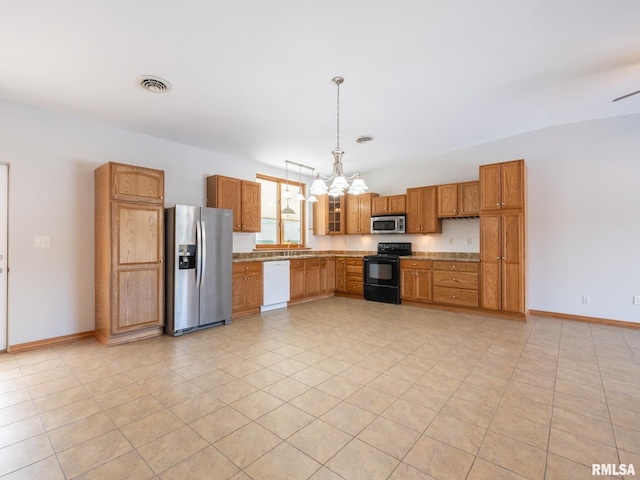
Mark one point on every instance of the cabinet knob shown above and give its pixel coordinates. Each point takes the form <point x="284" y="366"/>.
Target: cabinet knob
<point x="455" y="210"/>
<point x="497" y="204"/>
<point x="453" y="280"/>
<point x="453" y="296"/>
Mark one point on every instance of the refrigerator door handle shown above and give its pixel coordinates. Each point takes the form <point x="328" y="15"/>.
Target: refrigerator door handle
<point x="199" y="262"/>
<point x="203" y="249"/>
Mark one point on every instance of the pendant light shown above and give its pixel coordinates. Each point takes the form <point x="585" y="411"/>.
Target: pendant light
<point x="339" y="182"/>
<point x="287" y="194"/>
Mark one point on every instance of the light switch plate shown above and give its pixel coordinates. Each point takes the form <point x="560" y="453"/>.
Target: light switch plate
<point x="42" y="242"/>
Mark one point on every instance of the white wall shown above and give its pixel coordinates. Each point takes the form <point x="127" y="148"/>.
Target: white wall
<point x="583" y="203"/>
<point x="52" y="159"/>
<point x="583" y="228"/>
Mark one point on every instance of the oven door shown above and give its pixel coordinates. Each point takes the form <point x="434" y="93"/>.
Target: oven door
<point x="381" y="271"/>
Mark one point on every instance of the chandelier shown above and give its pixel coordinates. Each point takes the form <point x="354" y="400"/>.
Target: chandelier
<point x="339" y="181"/>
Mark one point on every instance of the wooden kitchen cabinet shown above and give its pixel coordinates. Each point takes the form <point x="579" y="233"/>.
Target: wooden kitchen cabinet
<point x="129" y="253"/>
<point x="502" y="254"/>
<point x="502" y="186"/>
<point x="240" y="196"/>
<point x="312" y="277"/>
<point x="458" y="200"/>
<point x="246" y="288"/>
<point x="354" y="275"/>
<point x="455" y="283"/>
<point x="327" y="275"/>
<point x="415" y="280"/>
<point x="296" y="280"/>
<point x="422" y="210"/>
<point x="341" y="275"/>
<point x="392" y="204"/>
<point x="329" y="215"/>
<point x="359" y="213"/>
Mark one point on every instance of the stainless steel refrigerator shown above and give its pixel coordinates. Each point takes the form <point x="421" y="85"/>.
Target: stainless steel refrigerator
<point x="199" y="253"/>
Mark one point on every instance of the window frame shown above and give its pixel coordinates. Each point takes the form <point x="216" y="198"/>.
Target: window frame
<point x="303" y="214"/>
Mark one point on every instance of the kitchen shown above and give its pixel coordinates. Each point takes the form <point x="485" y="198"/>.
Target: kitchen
<point x="581" y="178"/>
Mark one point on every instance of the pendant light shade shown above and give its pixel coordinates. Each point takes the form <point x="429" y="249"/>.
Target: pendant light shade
<point x="339" y="181"/>
<point x="287" y="194"/>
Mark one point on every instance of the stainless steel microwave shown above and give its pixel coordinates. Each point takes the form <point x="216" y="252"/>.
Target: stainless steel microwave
<point x="388" y="224"/>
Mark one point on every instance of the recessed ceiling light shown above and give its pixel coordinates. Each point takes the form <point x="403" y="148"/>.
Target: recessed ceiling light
<point x="153" y="84"/>
<point x="364" y="139"/>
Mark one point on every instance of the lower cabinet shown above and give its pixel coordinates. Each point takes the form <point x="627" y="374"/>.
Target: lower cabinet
<point x="246" y="288"/>
<point x="311" y="277"/>
<point x="349" y="276"/>
<point x="354" y="275"/>
<point x="415" y="280"/>
<point x="455" y="283"/>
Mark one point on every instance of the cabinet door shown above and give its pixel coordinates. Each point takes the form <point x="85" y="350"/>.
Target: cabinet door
<point x="414" y="220"/>
<point x="320" y="215"/>
<point x="341" y="274"/>
<point x="251" y="209"/>
<point x="364" y="207"/>
<point x="238" y="301"/>
<point x="448" y="200"/>
<point x="490" y="261"/>
<point x="312" y="278"/>
<point x="253" y="289"/>
<point x="353" y="214"/>
<point x="468" y="198"/>
<point x="296" y="283"/>
<point x="397" y="203"/>
<point x="331" y="275"/>
<point x="407" y="284"/>
<point x="423" y="285"/>
<point x="138" y="268"/>
<point x="130" y="183"/>
<point x="225" y="192"/>
<point x="336" y="215"/>
<point x="490" y="176"/>
<point x="511" y="179"/>
<point x="512" y="239"/>
<point x="380" y="205"/>
<point x="429" y="204"/>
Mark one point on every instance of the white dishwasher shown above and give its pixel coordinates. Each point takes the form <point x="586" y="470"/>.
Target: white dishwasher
<point x="275" y="278"/>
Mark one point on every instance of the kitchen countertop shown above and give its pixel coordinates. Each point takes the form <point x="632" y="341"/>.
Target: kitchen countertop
<point x="269" y="256"/>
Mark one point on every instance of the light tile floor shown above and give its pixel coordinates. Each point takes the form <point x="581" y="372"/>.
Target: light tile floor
<point x="330" y="389"/>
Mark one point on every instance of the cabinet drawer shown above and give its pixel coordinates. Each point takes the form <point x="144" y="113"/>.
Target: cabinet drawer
<point x="243" y="267"/>
<point x="296" y="264"/>
<point x="411" y="264"/>
<point x="354" y="261"/>
<point x="455" y="266"/>
<point x="465" y="280"/>
<point x="313" y="262"/>
<point x="355" y="286"/>
<point x="455" y="296"/>
<point x="354" y="269"/>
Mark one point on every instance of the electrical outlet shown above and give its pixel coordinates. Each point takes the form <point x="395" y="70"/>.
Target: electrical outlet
<point x="468" y="241"/>
<point x="586" y="299"/>
<point x="451" y="241"/>
<point x="428" y="240"/>
<point x="636" y="299"/>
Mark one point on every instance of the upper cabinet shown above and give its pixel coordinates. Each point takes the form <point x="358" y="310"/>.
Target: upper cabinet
<point x="240" y="196"/>
<point x="329" y="215"/>
<point x="359" y="213"/>
<point x="422" y="210"/>
<point x="136" y="184"/>
<point x="389" y="205"/>
<point x="458" y="200"/>
<point x="502" y="185"/>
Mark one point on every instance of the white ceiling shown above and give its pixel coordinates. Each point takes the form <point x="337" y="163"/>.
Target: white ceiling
<point x="253" y="77"/>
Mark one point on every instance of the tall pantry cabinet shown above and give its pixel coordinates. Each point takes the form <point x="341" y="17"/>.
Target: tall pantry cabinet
<point x="129" y="253"/>
<point x="502" y="236"/>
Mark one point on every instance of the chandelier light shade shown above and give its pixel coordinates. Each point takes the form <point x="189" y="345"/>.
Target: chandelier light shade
<point x="287" y="194"/>
<point x="339" y="182"/>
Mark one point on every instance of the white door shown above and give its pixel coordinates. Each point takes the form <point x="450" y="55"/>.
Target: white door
<point x="4" y="198"/>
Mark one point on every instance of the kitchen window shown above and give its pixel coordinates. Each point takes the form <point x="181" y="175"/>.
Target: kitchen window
<point x="280" y="230"/>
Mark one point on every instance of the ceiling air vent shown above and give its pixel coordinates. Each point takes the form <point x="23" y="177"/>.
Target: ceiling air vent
<point x="153" y="84"/>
